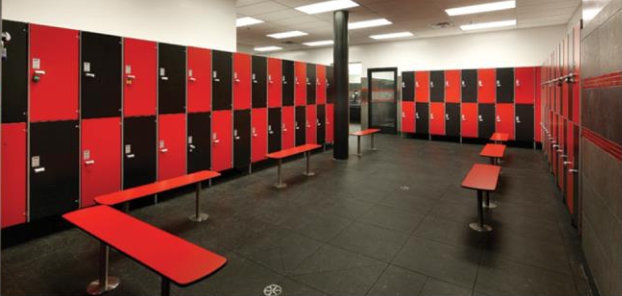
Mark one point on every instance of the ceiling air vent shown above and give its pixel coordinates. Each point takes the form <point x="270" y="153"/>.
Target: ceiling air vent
<point x="289" y="42"/>
<point x="441" y="25"/>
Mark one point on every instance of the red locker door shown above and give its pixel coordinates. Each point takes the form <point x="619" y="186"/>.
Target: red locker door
<point x="100" y="158"/>
<point x="486" y="85"/>
<point x="13" y="174"/>
<point x="437" y="119"/>
<point x="222" y="140"/>
<point x="524" y="85"/>
<point x="570" y="164"/>
<point x="422" y="86"/>
<point x="452" y="86"/>
<point x="54" y="73"/>
<point x="505" y="119"/>
<point x="139" y="77"/>
<point x="469" y="122"/>
<point x="538" y="108"/>
<point x="320" y="84"/>
<point x="311" y="124"/>
<point x="288" y="122"/>
<point x="329" y="122"/>
<point x="408" y="117"/>
<point x="171" y="145"/>
<point x="274" y="83"/>
<point x="259" y="134"/>
<point x="300" y="92"/>
<point x="199" y="79"/>
<point x="241" y="81"/>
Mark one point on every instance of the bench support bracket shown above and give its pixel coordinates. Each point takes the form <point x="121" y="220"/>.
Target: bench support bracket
<point x="109" y="282"/>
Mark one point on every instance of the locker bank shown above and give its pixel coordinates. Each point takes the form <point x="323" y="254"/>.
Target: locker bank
<point x="215" y="147"/>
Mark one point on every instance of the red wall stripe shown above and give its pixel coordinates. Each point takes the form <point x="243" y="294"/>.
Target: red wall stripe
<point x="610" y="147"/>
<point x="607" y="80"/>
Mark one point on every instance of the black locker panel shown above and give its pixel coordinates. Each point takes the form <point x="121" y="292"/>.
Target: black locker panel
<point x="54" y="168"/>
<point x="259" y="77"/>
<point x="321" y="125"/>
<point x="505" y="85"/>
<point x="241" y="139"/>
<point x="15" y="69"/>
<point x="422" y="118"/>
<point x="274" y="129"/>
<point x="199" y="143"/>
<point x="288" y="83"/>
<point x="469" y="86"/>
<point x="222" y="63"/>
<point x="311" y="82"/>
<point x="437" y="86"/>
<point x="139" y="151"/>
<point x="452" y="119"/>
<point x="330" y="86"/>
<point x="524" y="123"/>
<point x="301" y="135"/>
<point x="486" y="120"/>
<point x="100" y="75"/>
<point x="171" y="79"/>
<point x="408" y="86"/>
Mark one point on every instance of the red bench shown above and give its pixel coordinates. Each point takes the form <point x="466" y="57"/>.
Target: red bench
<point x="173" y="258"/>
<point x="280" y="155"/>
<point x="484" y="179"/>
<point x="493" y="151"/>
<point x="124" y="196"/>
<point x="358" y="134"/>
<point x="499" y="138"/>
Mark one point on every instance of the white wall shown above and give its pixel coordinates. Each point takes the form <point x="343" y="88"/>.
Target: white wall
<point x="202" y="23"/>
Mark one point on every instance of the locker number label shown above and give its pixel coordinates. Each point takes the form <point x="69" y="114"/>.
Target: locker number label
<point x="87" y="67"/>
<point x="36" y="63"/>
<point x="162" y="71"/>
<point x="128" y="69"/>
<point x="190" y="73"/>
<point x="128" y="149"/>
<point x="189" y="139"/>
<point x="86" y="155"/>
<point x="36" y="161"/>
<point x="161" y="143"/>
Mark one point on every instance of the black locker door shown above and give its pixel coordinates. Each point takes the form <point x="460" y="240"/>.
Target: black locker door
<point x="199" y="144"/>
<point x="15" y="69"/>
<point x="139" y="151"/>
<point x="524" y="123"/>
<point x="321" y="124"/>
<point x="241" y="139"/>
<point x="486" y="120"/>
<point x="311" y="82"/>
<point x="222" y="64"/>
<point x="301" y="135"/>
<point x="330" y="85"/>
<point x="171" y="79"/>
<point x="100" y="75"/>
<point x="408" y="86"/>
<point x="288" y="83"/>
<point x="452" y="119"/>
<point x="437" y="86"/>
<point x="422" y="118"/>
<point x="274" y="129"/>
<point x="54" y="168"/>
<point x="505" y="85"/>
<point x="260" y="72"/>
<point x="469" y="86"/>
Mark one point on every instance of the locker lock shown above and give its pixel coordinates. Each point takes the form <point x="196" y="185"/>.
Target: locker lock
<point x="498" y="83"/>
<point x="129" y="79"/>
<point x="37" y="75"/>
<point x="6" y="37"/>
<point x="498" y="118"/>
<point x="463" y="117"/>
<point x="480" y="118"/>
<point x="307" y="124"/>
<point x="235" y="77"/>
<point x="416" y="83"/>
<point x="518" y="119"/>
<point x="284" y="80"/>
<point x="235" y="135"/>
<point x="479" y="82"/>
<point x="403" y="115"/>
<point x="463" y="83"/>
<point x="308" y="81"/>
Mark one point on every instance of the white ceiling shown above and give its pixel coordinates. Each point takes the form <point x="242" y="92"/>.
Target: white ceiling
<point x="415" y="16"/>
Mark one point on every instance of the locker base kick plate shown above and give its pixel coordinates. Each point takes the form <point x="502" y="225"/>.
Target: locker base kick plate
<point x="199" y="218"/>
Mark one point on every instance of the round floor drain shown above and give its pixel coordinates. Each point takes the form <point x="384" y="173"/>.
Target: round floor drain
<point x="405" y="188"/>
<point x="272" y="290"/>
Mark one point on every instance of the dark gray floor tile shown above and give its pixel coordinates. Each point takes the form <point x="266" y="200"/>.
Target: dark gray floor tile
<point x="449" y="232"/>
<point x="354" y="281"/>
<point x="392" y="218"/>
<point x="371" y="241"/>
<point x="330" y="258"/>
<point x="321" y="226"/>
<point x="396" y="281"/>
<point x="439" y="288"/>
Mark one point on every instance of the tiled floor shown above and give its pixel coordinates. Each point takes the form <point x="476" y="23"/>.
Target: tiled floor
<point x="394" y="222"/>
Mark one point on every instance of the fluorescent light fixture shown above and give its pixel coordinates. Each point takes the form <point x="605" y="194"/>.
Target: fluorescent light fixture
<point x="368" y="24"/>
<point x="267" y="48"/>
<point x="391" y="35"/>
<point x="318" y="43"/>
<point x="287" y="34"/>
<point x="471" y="9"/>
<point x="326" y="6"/>
<point x="247" y="21"/>
<point x="489" y="25"/>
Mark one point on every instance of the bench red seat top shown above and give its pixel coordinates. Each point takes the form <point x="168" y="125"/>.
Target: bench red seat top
<point x="293" y="151"/>
<point x="482" y="177"/>
<point x="365" y="132"/>
<point x="493" y="150"/>
<point x="168" y="255"/>
<point x="499" y="137"/>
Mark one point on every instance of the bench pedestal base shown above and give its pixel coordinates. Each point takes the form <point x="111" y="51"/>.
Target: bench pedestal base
<point x="94" y="288"/>
<point x="199" y="218"/>
<point x="280" y="185"/>
<point x="309" y="174"/>
<point x="483" y="228"/>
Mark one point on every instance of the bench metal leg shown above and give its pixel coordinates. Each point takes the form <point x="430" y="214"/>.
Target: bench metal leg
<point x="372" y="143"/>
<point x="279" y="181"/>
<point x="489" y="204"/>
<point x="198" y="216"/>
<point x="308" y="171"/>
<point x="166" y="287"/>
<point x="480" y="226"/>
<point x="105" y="283"/>
<point x="358" y="146"/>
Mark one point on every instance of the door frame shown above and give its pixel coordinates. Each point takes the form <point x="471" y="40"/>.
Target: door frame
<point x="387" y="130"/>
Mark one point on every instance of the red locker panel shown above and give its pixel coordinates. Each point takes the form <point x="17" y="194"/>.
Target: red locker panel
<point x="171" y="145"/>
<point x="504" y="119"/>
<point x="330" y="115"/>
<point x="275" y="91"/>
<point x="571" y="163"/>
<point x="452" y="86"/>
<point x="437" y="119"/>
<point x="289" y="132"/>
<point x="222" y="140"/>
<point x="259" y="134"/>
<point x="538" y="108"/>
<point x="13" y="173"/>
<point x="422" y="86"/>
<point x="469" y="121"/>
<point x="199" y="80"/>
<point x="241" y="81"/>
<point x="139" y="77"/>
<point x="311" y="124"/>
<point x="486" y="85"/>
<point x="100" y="158"/>
<point x="54" y="73"/>
<point x="524" y="85"/>
<point x="408" y="117"/>
<point x="320" y="84"/>
<point x="300" y="85"/>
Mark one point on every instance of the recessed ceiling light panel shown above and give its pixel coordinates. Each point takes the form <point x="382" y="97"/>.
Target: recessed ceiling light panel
<point x="471" y="9"/>
<point x="288" y="34"/>
<point x="489" y="25"/>
<point x="391" y="35"/>
<point x="368" y="24"/>
<point x="247" y="21"/>
<point x="267" y="48"/>
<point x="327" y="6"/>
<point x="319" y="43"/>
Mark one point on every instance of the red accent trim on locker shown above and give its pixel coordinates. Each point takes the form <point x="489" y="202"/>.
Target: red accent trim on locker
<point x="100" y="158"/>
<point x="504" y="120"/>
<point x="259" y="134"/>
<point x="199" y="79"/>
<point x="524" y="85"/>
<point x="320" y="91"/>
<point x="241" y="81"/>
<point x="222" y="140"/>
<point x="422" y="86"/>
<point x="329" y="123"/>
<point x="300" y="84"/>
<point x="486" y="85"/>
<point x="408" y="117"/>
<point x="139" y="77"/>
<point x="171" y="145"/>
<point x="289" y="133"/>
<point x="437" y="119"/>
<point x="469" y="123"/>
<point x="311" y="124"/>
<point x="608" y="146"/>
<point x="13" y="174"/>
<point x="275" y="91"/>
<point x="453" y="86"/>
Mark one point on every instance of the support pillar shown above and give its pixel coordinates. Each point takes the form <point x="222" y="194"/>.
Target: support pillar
<point x="340" y="60"/>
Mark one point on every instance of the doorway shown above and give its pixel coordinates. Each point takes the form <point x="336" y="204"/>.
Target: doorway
<point x="382" y="86"/>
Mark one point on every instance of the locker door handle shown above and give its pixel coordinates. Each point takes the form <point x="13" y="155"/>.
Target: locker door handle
<point x="217" y="79"/>
<point x="89" y="162"/>
<point x="284" y="128"/>
<point x="446" y="83"/>
<point x="39" y="72"/>
<point x="431" y="115"/>
<point x="164" y="78"/>
<point x="403" y="84"/>
<point x="498" y="83"/>
<point x="317" y="82"/>
<point x="463" y="83"/>
<point x="479" y="82"/>
<point x="270" y="81"/>
<point x="403" y="115"/>
<point x="479" y="117"/>
<point x="164" y="150"/>
<point x="498" y="119"/>
<point x="254" y="132"/>
<point x="319" y="123"/>
<point x="192" y="146"/>
<point x="131" y="77"/>
<point x="308" y="82"/>
<point x="417" y="115"/>
<point x="90" y="75"/>
<point x="39" y="170"/>
<point x="307" y="124"/>
<point x="567" y="163"/>
<point x="215" y="138"/>
<point x="517" y="82"/>
<point x="574" y="171"/>
<point x="271" y="132"/>
<point x="446" y="116"/>
<point x="37" y="75"/>
<point x="417" y="84"/>
<point x="192" y="79"/>
<point x="463" y="117"/>
<point x="432" y="84"/>
<point x="518" y="119"/>
<point x="130" y="155"/>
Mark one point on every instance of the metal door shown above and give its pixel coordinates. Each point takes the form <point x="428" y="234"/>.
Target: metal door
<point x="469" y="85"/>
<point x="421" y="118"/>
<point x="505" y="85"/>
<point x="422" y="86"/>
<point x="171" y="79"/>
<point x="15" y="69"/>
<point x="486" y="120"/>
<point x="437" y="119"/>
<point x="452" y="86"/>
<point x="382" y="86"/>
<point x="275" y="80"/>
<point x="468" y="120"/>
<point x="524" y="85"/>
<point x="139" y="151"/>
<point x="300" y="125"/>
<point x="505" y="119"/>
<point x="311" y="122"/>
<point x="408" y="86"/>
<point x="171" y="146"/>
<point x="330" y="85"/>
<point x="437" y="86"/>
<point x="300" y="86"/>
<point x="486" y="86"/>
<point x="199" y="144"/>
<point x="408" y="117"/>
<point x="288" y="83"/>
<point x="311" y="82"/>
<point x="199" y="80"/>
<point x="452" y="119"/>
<point x="241" y="139"/>
<point x="140" y="76"/>
<point x="288" y="127"/>
<point x="321" y="124"/>
<point x="259" y="82"/>
<point x="524" y="123"/>
<point x="330" y="130"/>
<point x="320" y="84"/>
